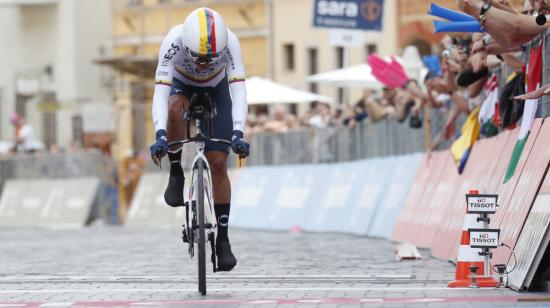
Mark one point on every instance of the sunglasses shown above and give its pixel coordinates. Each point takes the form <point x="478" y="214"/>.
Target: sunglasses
<point x="205" y="59"/>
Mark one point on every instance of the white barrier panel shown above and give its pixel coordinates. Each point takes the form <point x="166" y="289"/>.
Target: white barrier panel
<point x="533" y="240"/>
<point x="59" y="202"/>
<point x="251" y="192"/>
<point x="398" y="186"/>
<point x="341" y="197"/>
<point x="344" y="197"/>
<point x="148" y="206"/>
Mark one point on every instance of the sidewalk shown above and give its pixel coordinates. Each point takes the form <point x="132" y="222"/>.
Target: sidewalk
<point x="118" y="266"/>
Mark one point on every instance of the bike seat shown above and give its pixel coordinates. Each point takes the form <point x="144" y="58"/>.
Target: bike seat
<point x="201" y="107"/>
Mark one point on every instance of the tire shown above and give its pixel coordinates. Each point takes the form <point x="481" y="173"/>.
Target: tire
<point x="202" y="240"/>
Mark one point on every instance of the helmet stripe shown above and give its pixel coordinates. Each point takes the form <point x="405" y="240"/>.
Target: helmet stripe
<point x="209" y="28"/>
<point x="203" y="28"/>
<point x="212" y="34"/>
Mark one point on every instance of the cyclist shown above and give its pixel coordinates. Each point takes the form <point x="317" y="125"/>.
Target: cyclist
<point x="201" y="56"/>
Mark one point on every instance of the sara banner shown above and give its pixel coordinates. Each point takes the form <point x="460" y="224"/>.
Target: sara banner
<point x="349" y="14"/>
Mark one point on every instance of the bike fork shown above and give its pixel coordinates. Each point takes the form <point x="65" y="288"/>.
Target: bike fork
<point x="213" y="249"/>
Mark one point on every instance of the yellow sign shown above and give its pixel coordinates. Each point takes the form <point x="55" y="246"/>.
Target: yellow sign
<point x="48" y="106"/>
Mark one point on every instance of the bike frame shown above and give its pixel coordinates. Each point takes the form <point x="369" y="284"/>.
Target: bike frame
<point x="210" y="216"/>
<point x="199" y="188"/>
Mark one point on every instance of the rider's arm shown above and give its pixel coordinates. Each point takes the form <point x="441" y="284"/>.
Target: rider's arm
<point x="169" y="49"/>
<point x="236" y="77"/>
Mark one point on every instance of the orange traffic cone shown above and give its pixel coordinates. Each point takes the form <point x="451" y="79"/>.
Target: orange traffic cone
<point x="469" y="257"/>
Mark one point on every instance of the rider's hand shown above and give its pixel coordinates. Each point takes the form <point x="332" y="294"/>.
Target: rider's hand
<point x="238" y="145"/>
<point x="160" y="147"/>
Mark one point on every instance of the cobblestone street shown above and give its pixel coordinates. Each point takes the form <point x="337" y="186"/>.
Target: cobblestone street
<point x="120" y="266"/>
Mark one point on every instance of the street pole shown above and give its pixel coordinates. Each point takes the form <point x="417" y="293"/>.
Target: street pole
<point x="345" y="92"/>
<point x="271" y="39"/>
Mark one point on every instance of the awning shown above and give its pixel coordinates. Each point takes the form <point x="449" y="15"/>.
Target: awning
<point x="136" y="65"/>
<point x="353" y="76"/>
<point x="264" y="91"/>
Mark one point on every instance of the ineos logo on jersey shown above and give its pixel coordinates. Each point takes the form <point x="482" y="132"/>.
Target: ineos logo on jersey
<point x="170" y="54"/>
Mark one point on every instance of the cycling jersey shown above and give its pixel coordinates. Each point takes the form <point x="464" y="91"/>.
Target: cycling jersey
<point x="176" y="64"/>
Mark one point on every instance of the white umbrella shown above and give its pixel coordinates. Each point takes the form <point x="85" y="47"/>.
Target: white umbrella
<point x="264" y="91"/>
<point x="352" y="76"/>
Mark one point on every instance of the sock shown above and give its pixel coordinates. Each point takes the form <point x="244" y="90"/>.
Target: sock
<point x="222" y="215"/>
<point x="175" y="162"/>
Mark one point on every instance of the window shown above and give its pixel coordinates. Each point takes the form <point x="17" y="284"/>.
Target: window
<point x="371" y="48"/>
<point x="78" y="130"/>
<point x="312" y="67"/>
<point x="49" y="120"/>
<point x="339" y="57"/>
<point x="132" y="3"/>
<point x="289" y="57"/>
<point x="339" y="64"/>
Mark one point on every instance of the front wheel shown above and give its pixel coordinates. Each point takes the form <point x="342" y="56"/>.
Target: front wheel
<point x="201" y="242"/>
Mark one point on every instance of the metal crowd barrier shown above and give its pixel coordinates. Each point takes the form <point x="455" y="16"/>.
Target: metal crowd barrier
<point x="334" y="144"/>
<point x="45" y="165"/>
<point x="341" y="144"/>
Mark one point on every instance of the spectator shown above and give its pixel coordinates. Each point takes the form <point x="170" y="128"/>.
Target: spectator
<point x="321" y="116"/>
<point x="278" y="123"/>
<point x="506" y="27"/>
<point x="24" y="136"/>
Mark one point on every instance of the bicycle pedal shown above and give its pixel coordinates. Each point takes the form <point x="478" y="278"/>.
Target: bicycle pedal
<point x="184" y="236"/>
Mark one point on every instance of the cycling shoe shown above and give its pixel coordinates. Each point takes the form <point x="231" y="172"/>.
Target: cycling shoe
<point x="174" y="192"/>
<point x="226" y="259"/>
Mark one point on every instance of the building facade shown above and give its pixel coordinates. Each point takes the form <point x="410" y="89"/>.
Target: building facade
<point x="301" y="50"/>
<point x="48" y="74"/>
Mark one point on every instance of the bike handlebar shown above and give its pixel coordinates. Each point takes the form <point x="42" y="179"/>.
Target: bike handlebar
<point x="198" y="139"/>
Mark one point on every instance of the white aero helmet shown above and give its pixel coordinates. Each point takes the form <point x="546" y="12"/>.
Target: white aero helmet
<point x="204" y="35"/>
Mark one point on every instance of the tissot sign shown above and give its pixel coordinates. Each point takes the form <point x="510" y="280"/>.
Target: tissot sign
<point x="349" y="14"/>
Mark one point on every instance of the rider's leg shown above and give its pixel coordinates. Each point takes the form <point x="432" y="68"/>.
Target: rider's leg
<point x="222" y="189"/>
<point x="176" y="130"/>
<point x="217" y="154"/>
<point x="222" y="198"/>
<point x="220" y="179"/>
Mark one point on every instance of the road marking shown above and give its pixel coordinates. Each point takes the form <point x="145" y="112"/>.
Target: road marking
<point x="238" y="290"/>
<point x="222" y="302"/>
<point x="263" y="302"/>
<point x="63" y="304"/>
<point x="221" y="276"/>
<point x="371" y="300"/>
<point x="422" y="300"/>
<point x="310" y="301"/>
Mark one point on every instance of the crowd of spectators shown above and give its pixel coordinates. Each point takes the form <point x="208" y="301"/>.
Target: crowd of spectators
<point x="515" y="47"/>
<point x="512" y="54"/>
<point x="375" y="106"/>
